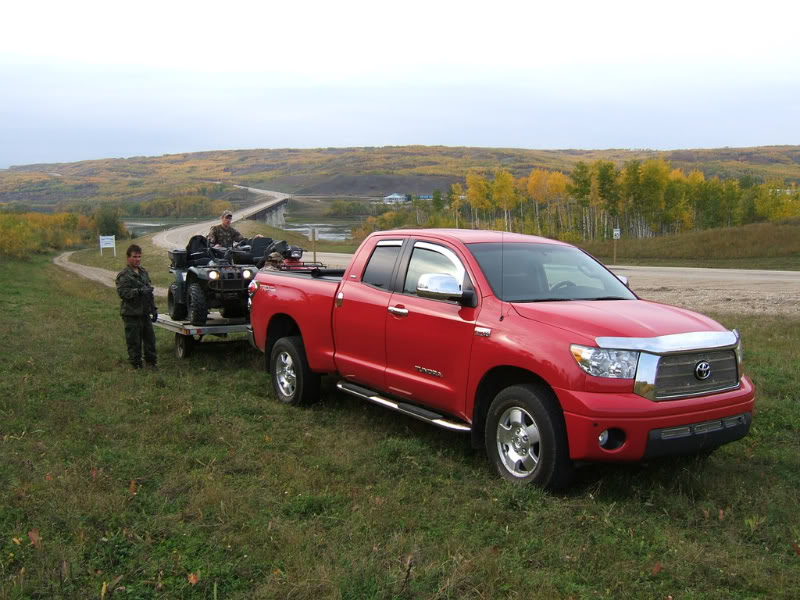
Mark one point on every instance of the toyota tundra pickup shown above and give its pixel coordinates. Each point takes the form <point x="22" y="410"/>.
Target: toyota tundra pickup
<point x="531" y="346"/>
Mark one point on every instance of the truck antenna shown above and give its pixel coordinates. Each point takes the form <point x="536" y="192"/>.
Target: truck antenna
<point x="502" y="271"/>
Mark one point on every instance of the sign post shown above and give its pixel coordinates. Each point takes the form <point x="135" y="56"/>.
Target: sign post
<point x="108" y="241"/>
<point x="616" y="237"/>
<point x="314" y="242"/>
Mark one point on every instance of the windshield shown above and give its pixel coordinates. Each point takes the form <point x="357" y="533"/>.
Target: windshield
<point x="523" y="272"/>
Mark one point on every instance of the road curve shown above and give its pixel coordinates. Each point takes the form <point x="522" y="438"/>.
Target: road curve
<point x="178" y="237"/>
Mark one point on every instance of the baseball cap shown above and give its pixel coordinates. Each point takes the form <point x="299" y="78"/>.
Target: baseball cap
<point x="275" y="256"/>
<point x="226" y="213"/>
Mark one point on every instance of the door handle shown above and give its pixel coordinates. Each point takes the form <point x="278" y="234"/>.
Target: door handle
<point x="400" y="312"/>
<point x="339" y="298"/>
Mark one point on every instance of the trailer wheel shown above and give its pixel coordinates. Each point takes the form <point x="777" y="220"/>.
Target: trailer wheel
<point x="176" y="310"/>
<point x="183" y="345"/>
<point x="526" y="438"/>
<point x="198" y="308"/>
<point x="292" y="379"/>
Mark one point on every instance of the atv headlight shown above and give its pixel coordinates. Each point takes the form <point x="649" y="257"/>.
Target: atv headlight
<point x="602" y="362"/>
<point x="247" y="273"/>
<point x="213" y="275"/>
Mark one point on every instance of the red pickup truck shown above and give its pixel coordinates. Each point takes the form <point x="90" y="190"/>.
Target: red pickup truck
<point x="530" y="345"/>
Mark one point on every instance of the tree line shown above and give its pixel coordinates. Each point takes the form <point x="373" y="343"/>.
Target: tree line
<point x="22" y="234"/>
<point x="642" y="198"/>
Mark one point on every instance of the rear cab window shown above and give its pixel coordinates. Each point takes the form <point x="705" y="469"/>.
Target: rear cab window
<point x="380" y="267"/>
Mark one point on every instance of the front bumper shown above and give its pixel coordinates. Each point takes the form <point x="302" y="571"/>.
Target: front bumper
<point x="654" y="428"/>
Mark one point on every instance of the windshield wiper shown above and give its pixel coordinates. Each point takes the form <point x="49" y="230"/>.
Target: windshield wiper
<point x="607" y="298"/>
<point x="547" y="300"/>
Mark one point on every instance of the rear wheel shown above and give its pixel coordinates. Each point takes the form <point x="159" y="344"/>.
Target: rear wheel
<point x="292" y="379"/>
<point x="176" y="310"/>
<point x="183" y="345"/>
<point x="526" y="438"/>
<point x="198" y="308"/>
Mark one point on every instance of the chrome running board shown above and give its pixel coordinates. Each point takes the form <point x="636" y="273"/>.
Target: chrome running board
<point x="402" y="407"/>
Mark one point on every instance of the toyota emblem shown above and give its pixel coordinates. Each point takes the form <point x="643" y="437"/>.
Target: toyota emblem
<point x="702" y="370"/>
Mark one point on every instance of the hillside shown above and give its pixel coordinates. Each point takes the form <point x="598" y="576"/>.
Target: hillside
<point x="357" y="171"/>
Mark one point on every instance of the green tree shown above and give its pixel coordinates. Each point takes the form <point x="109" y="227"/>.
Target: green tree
<point x="437" y="205"/>
<point x="108" y="222"/>
<point x="454" y="198"/>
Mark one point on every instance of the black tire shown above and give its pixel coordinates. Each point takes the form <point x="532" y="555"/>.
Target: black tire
<point x="198" y="308"/>
<point x="526" y="438"/>
<point x="292" y="379"/>
<point x="233" y="311"/>
<point x="176" y="310"/>
<point x="183" y="345"/>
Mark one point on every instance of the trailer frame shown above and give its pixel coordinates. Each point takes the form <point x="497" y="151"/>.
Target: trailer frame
<point x="187" y="334"/>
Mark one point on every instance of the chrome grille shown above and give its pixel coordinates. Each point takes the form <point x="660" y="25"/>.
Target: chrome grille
<point x="676" y="374"/>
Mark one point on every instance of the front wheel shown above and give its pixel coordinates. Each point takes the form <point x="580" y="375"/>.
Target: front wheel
<point x="292" y="379"/>
<point x="526" y="438"/>
<point x="198" y="307"/>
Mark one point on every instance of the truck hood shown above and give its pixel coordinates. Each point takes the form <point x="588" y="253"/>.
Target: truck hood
<point x="617" y="318"/>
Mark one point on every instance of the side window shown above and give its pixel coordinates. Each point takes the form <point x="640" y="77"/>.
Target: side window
<point x="379" y="268"/>
<point x="429" y="258"/>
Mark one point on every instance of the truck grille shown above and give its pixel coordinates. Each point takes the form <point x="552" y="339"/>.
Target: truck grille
<point x="677" y="374"/>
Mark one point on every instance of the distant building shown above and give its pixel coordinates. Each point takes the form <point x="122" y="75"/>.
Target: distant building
<point x="394" y="199"/>
<point x="425" y="196"/>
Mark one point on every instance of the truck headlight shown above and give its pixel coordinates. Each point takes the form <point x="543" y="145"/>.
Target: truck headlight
<point x="213" y="275"/>
<point x="602" y="362"/>
<point x="247" y="273"/>
<point x="739" y="352"/>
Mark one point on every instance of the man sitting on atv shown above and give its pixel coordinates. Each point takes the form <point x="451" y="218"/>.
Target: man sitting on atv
<point x="224" y="235"/>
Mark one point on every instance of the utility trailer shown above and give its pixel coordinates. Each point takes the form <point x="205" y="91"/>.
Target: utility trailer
<point x="187" y="335"/>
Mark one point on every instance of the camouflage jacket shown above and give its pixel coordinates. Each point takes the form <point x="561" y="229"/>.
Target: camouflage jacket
<point x="133" y="288"/>
<point x="223" y="237"/>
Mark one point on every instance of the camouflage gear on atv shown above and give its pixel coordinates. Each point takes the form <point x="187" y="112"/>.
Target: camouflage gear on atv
<point x="137" y="305"/>
<point x="223" y="236"/>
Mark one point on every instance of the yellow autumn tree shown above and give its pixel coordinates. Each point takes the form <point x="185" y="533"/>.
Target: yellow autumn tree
<point x="503" y="193"/>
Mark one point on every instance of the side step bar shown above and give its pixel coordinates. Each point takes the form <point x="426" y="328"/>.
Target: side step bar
<point x="402" y="407"/>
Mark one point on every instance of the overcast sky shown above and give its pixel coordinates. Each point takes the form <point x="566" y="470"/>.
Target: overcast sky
<point x="85" y="79"/>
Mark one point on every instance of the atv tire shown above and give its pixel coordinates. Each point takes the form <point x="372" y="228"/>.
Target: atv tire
<point x="198" y="307"/>
<point x="176" y="310"/>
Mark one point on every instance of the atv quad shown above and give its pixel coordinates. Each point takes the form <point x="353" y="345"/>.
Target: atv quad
<point x="212" y="277"/>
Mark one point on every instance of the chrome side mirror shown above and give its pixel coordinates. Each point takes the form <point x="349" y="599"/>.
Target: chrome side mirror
<point x="440" y="286"/>
<point x="624" y="280"/>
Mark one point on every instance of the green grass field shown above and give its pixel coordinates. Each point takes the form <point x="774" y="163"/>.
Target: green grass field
<point x="194" y="482"/>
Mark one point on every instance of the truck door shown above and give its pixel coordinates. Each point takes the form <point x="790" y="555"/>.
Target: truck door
<point x="359" y="317"/>
<point x="428" y="342"/>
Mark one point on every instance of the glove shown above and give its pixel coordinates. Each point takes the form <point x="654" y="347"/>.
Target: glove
<point x="154" y="316"/>
<point x="146" y="290"/>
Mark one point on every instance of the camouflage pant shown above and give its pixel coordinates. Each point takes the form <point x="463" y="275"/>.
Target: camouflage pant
<point x="138" y="332"/>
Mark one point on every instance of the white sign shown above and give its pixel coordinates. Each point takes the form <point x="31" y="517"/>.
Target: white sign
<point x="616" y="234"/>
<point x="108" y="241"/>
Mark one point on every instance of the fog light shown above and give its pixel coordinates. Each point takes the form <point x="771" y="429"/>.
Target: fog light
<point x="611" y="439"/>
<point x="602" y="439"/>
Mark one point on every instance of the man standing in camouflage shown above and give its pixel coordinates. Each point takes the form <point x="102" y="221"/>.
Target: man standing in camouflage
<point x="138" y="309"/>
